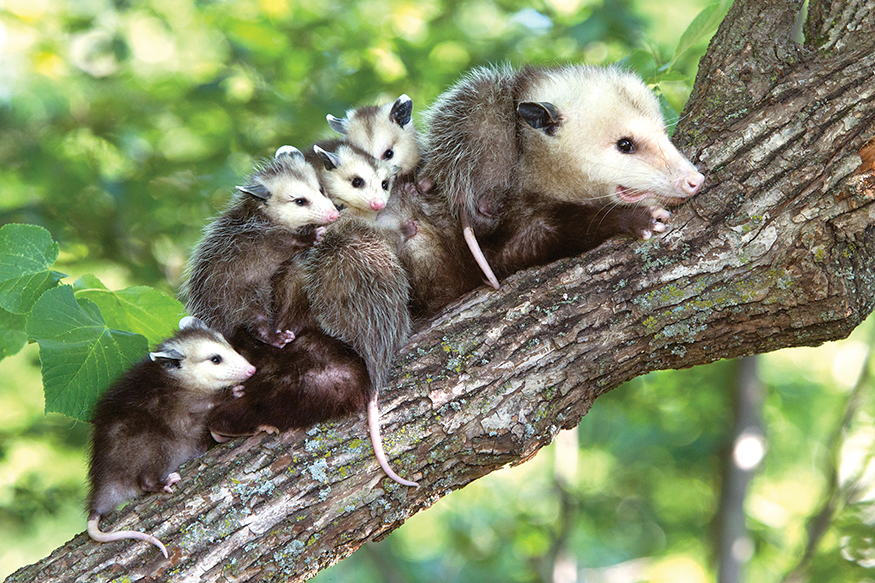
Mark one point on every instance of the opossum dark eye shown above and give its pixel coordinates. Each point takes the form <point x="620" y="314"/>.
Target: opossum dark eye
<point x="626" y="145"/>
<point x="385" y="185"/>
<point x="358" y="182"/>
<point x="216" y="359"/>
<point x="387" y="155"/>
<point x="301" y="201"/>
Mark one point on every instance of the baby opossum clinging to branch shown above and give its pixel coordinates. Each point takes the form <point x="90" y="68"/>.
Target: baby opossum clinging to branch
<point x="346" y="300"/>
<point x="274" y="216"/>
<point x="541" y="162"/>
<point x="153" y="419"/>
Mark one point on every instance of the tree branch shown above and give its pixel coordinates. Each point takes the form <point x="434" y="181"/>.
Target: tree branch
<point x="779" y="250"/>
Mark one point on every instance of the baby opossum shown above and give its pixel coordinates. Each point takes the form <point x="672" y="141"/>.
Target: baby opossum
<point x="346" y="299"/>
<point x="153" y="419"/>
<point x="385" y="132"/>
<point x="353" y="179"/>
<point x="272" y="218"/>
<point x="573" y="135"/>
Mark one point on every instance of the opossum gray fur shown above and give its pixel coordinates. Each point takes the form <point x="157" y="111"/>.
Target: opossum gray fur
<point x="574" y="135"/>
<point x="273" y="217"/>
<point x="153" y="419"/>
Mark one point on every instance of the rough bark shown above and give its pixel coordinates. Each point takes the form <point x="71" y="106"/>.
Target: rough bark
<point x="777" y="251"/>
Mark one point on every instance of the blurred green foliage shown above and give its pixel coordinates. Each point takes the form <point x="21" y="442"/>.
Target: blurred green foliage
<point x="125" y="126"/>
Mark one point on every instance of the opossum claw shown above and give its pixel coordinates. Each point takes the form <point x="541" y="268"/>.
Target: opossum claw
<point x="172" y="478"/>
<point x="377" y="442"/>
<point x="474" y="246"/>
<point x="219" y="438"/>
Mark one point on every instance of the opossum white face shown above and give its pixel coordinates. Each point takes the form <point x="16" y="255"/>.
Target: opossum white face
<point x="356" y="180"/>
<point x="385" y="132"/>
<point x="291" y="191"/>
<point x="598" y="134"/>
<point x="201" y="359"/>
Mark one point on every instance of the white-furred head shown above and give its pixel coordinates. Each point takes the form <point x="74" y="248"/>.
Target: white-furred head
<point x="385" y="132"/>
<point x="598" y="134"/>
<point x="201" y="359"/>
<point x="290" y="191"/>
<point x="355" y="180"/>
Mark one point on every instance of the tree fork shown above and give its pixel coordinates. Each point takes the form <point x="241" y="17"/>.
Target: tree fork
<point x="777" y="251"/>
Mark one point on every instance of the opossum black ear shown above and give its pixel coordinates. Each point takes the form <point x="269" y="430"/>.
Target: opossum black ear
<point x="259" y="191"/>
<point x="402" y="110"/>
<point x="337" y="124"/>
<point x="541" y="116"/>
<point x="330" y="159"/>
<point x="169" y="358"/>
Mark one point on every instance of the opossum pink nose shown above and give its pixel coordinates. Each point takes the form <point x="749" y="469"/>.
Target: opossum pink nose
<point x="250" y="371"/>
<point x="333" y="214"/>
<point x="377" y="204"/>
<point x="692" y="183"/>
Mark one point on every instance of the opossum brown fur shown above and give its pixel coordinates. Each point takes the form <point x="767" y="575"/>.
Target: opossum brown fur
<point x="153" y="419"/>
<point x="573" y="135"/>
<point x="272" y="218"/>
<point x="431" y="248"/>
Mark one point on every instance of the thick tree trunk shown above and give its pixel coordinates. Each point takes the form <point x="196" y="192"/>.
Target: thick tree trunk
<point x="778" y="250"/>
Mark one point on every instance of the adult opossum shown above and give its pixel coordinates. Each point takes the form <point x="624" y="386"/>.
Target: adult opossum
<point x="153" y="419"/>
<point x="502" y="139"/>
<point x="385" y="132"/>
<point x="273" y="217"/>
<point x="346" y="300"/>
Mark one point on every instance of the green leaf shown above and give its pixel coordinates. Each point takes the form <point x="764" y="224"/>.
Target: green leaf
<point x="12" y="334"/>
<point x="703" y="26"/>
<point x="26" y="254"/>
<point x="88" y="281"/>
<point x="140" y="309"/>
<point x="669" y="114"/>
<point x="642" y="62"/>
<point x="80" y="355"/>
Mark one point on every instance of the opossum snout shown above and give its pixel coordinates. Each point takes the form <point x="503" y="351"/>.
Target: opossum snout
<point x="691" y="183"/>
<point x="249" y="371"/>
<point x="332" y="215"/>
<point x="378" y="204"/>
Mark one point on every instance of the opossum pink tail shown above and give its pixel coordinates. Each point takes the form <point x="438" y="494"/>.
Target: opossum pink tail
<point x="105" y="537"/>
<point x="377" y="441"/>
<point x="474" y="246"/>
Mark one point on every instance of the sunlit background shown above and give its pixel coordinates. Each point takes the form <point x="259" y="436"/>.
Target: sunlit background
<point x="125" y="125"/>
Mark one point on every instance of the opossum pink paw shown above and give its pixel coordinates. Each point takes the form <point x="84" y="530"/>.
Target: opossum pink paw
<point x="238" y="391"/>
<point x="658" y="218"/>
<point x="320" y="231"/>
<point x="425" y="185"/>
<point x="267" y="429"/>
<point x="172" y="478"/>
<point x="283" y="337"/>
<point x="409" y="228"/>
<point x="219" y="438"/>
